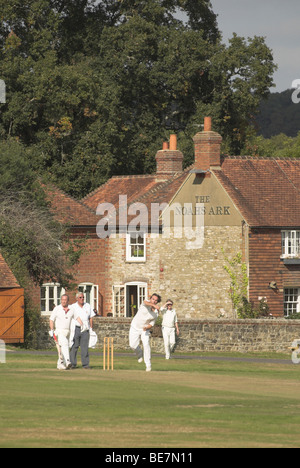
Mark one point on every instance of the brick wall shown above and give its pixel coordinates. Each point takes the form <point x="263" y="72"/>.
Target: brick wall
<point x="169" y="162"/>
<point x="266" y="266"/>
<point x="90" y="269"/>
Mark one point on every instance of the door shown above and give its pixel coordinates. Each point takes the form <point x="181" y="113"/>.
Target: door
<point x="119" y="301"/>
<point x="135" y="295"/>
<point x="128" y="298"/>
<point x="12" y="315"/>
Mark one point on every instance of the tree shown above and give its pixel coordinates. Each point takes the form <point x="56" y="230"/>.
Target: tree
<point x="35" y="245"/>
<point x="94" y="87"/>
<point x="278" y="114"/>
<point x="278" y="146"/>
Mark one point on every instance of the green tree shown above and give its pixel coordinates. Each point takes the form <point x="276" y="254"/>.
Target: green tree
<point x="31" y="240"/>
<point x="237" y="271"/>
<point x="94" y="87"/>
<point x="278" y="146"/>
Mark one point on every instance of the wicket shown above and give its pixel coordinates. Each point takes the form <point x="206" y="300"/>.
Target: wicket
<point x="108" y="354"/>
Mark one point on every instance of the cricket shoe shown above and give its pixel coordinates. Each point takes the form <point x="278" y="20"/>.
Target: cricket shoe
<point x="140" y="360"/>
<point x="148" y="369"/>
<point x="60" y="365"/>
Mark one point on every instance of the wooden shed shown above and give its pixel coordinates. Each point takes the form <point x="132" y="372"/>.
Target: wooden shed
<point x="11" y="306"/>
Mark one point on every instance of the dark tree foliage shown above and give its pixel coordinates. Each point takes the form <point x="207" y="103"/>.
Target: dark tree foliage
<point x="93" y="87"/>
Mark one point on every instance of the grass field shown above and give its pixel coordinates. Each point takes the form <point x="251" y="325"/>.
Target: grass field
<point x="182" y="403"/>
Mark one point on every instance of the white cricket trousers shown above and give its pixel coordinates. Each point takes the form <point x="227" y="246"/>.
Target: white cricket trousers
<point x="63" y="341"/>
<point x="135" y="336"/>
<point x="169" y="340"/>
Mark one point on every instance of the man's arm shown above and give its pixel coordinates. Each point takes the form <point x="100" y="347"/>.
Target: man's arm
<point x="176" y="325"/>
<point x="79" y="321"/>
<point x="149" y="304"/>
<point x="52" y="319"/>
<point x="92" y="314"/>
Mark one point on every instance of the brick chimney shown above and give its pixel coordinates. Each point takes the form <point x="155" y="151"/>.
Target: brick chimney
<point x="169" y="159"/>
<point x="207" y="147"/>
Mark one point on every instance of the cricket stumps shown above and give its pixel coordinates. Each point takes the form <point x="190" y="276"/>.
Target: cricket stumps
<point x="108" y="354"/>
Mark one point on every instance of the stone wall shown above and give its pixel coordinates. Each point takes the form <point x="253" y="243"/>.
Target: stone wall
<point x="204" y="335"/>
<point x="194" y="279"/>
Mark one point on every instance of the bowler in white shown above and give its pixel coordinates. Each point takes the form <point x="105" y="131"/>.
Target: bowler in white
<point x="140" y="329"/>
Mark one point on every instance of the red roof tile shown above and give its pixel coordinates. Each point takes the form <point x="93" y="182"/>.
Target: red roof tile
<point x="132" y="186"/>
<point x="7" y="278"/>
<point x="68" y="210"/>
<point x="145" y="189"/>
<point x="266" y="191"/>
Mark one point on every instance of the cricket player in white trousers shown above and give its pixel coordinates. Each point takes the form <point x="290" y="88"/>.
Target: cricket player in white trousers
<point x="140" y="329"/>
<point x="82" y="334"/>
<point x="169" y="324"/>
<point x="62" y="316"/>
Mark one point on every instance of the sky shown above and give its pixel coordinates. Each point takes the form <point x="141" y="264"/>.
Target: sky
<point x="277" y="20"/>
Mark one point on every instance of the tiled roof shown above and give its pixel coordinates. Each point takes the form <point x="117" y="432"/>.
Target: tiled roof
<point x="145" y="189"/>
<point x="7" y="278"/>
<point x="68" y="210"/>
<point x="132" y="186"/>
<point x="266" y="191"/>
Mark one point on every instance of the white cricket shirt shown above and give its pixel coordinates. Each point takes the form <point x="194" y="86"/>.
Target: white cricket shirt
<point x="61" y="318"/>
<point x="85" y="312"/>
<point x="169" y="318"/>
<point x="145" y="316"/>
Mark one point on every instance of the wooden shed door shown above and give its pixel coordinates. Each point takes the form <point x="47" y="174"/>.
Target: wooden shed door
<point x="12" y="315"/>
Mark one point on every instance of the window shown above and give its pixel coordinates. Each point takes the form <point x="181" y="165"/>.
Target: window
<point x="136" y="247"/>
<point x="291" y="301"/>
<point x="90" y="292"/>
<point x="290" y="244"/>
<point x="50" y="297"/>
<point x="128" y="298"/>
<point x="119" y="301"/>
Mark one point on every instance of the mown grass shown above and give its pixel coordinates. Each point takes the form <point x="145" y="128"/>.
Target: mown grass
<point x="181" y="403"/>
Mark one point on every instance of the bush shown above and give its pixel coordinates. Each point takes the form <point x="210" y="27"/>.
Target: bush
<point x="293" y="316"/>
<point x="247" y="310"/>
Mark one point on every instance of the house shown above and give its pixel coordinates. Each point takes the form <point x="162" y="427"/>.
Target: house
<point x="89" y="274"/>
<point x="169" y="233"/>
<point x="11" y="306"/>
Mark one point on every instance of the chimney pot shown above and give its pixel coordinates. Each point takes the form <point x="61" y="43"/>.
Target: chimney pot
<point x="165" y="145"/>
<point x="173" y="142"/>
<point x="207" y="124"/>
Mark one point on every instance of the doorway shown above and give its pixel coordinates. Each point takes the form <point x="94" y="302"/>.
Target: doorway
<point x="135" y="296"/>
<point x="127" y="298"/>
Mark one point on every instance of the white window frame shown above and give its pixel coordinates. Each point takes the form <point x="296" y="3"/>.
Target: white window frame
<point x="94" y="294"/>
<point x="129" y="256"/>
<point x="291" y="301"/>
<point x="119" y="301"/>
<point x="56" y="297"/>
<point x="290" y="241"/>
<point x="120" y="297"/>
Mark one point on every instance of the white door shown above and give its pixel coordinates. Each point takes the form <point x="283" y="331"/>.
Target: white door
<point x="119" y="301"/>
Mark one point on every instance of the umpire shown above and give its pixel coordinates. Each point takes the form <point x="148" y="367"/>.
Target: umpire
<point x="82" y="335"/>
